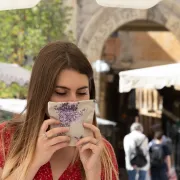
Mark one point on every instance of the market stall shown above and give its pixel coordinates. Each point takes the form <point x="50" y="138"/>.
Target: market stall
<point x="166" y="79"/>
<point x="156" y="77"/>
<point x="13" y="73"/>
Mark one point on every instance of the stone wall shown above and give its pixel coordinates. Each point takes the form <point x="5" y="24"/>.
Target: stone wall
<point x="89" y="9"/>
<point x="141" y="49"/>
<point x="86" y="9"/>
<point x="93" y="31"/>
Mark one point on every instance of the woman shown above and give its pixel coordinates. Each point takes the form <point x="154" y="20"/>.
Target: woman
<point x="30" y="150"/>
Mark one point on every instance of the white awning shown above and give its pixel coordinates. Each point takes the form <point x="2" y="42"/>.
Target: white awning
<point x="16" y="106"/>
<point x="135" y="4"/>
<point x="151" y="78"/>
<point x="101" y="121"/>
<point x="13" y="73"/>
<point x="17" y="4"/>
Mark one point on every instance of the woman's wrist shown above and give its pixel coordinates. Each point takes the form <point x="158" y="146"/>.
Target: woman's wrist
<point x="93" y="174"/>
<point x="35" y="164"/>
<point x="33" y="169"/>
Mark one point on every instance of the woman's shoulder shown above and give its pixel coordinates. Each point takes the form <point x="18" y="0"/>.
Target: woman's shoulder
<point x="107" y="144"/>
<point x="4" y="130"/>
<point x="4" y="142"/>
<point x="111" y="155"/>
<point x="2" y="125"/>
<point x="110" y="149"/>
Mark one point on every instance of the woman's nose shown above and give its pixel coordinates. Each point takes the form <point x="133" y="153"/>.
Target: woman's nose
<point x="73" y="98"/>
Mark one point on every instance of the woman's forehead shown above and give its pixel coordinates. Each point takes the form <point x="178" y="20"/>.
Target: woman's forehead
<point x="70" y="78"/>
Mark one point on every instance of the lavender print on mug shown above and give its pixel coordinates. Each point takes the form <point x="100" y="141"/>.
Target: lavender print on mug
<point x="73" y="114"/>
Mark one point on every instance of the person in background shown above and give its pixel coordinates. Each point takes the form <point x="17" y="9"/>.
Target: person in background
<point x="165" y="140"/>
<point x="131" y="141"/>
<point x="160" y="158"/>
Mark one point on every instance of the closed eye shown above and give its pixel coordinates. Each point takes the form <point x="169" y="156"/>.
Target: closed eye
<point x="82" y="94"/>
<point x="61" y="94"/>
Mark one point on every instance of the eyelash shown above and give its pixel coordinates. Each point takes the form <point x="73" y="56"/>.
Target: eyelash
<point x="63" y="94"/>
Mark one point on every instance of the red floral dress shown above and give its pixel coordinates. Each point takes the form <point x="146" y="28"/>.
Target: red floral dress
<point x="73" y="172"/>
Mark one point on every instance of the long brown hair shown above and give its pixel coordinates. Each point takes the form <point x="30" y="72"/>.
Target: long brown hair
<point x="51" y="60"/>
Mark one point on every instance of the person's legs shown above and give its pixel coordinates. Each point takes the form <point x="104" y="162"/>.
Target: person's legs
<point x="155" y="175"/>
<point x="142" y="175"/>
<point x="132" y="175"/>
<point x="163" y="174"/>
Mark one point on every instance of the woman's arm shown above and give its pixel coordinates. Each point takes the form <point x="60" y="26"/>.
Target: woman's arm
<point x="47" y="144"/>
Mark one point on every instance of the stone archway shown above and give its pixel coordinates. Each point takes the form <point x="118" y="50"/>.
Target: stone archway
<point x="107" y="20"/>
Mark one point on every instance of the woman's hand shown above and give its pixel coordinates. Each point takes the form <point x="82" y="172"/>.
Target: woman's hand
<point x="90" y="149"/>
<point x="48" y="142"/>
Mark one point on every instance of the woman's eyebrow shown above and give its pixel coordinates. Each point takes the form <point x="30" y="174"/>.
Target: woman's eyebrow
<point x="63" y="87"/>
<point x="81" y="88"/>
<point x="84" y="87"/>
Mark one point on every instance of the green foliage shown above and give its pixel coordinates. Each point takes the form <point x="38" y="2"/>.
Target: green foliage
<point x="24" y="32"/>
<point x="13" y="91"/>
